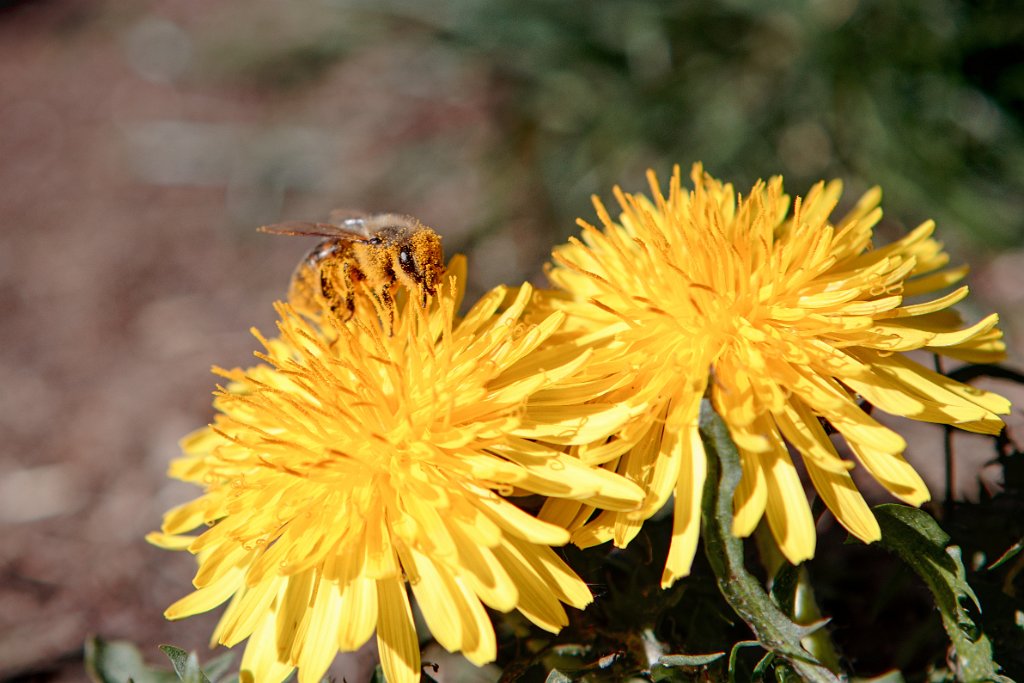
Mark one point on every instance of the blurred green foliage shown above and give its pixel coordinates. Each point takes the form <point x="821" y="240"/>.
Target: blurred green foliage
<point x="923" y="97"/>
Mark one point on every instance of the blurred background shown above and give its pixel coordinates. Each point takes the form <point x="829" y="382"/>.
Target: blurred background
<point x="142" y="143"/>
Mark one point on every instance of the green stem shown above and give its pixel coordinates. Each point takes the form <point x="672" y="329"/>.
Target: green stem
<point x="776" y="632"/>
<point x="792" y="592"/>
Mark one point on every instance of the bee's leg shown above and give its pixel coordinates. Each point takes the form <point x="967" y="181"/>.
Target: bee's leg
<point x="341" y="303"/>
<point x="347" y="304"/>
<point x="387" y="304"/>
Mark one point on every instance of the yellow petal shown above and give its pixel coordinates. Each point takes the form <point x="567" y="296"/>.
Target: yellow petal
<point x="482" y="311"/>
<point x="246" y="610"/>
<point x="925" y="380"/>
<point x="260" y="662"/>
<point x="661" y="453"/>
<point x="856" y="425"/>
<point x="169" y="541"/>
<point x="556" y="574"/>
<point x="184" y="518"/>
<point x="522" y="524"/>
<point x="900" y="386"/>
<point x="561" y="512"/>
<point x="222" y="558"/>
<point x="440" y="602"/>
<point x="789" y="515"/>
<point x="553" y="473"/>
<point x="359" y="614"/>
<point x="734" y="396"/>
<point x="832" y="482"/>
<point x="957" y="337"/>
<point x="536" y="601"/>
<point x="483" y="571"/>
<point x="457" y="268"/>
<point x="893" y="472"/>
<point x="686" y="520"/>
<point x="942" y="302"/>
<point x="985" y="348"/>
<point x="380" y="560"/>
<point x="357" y="617"/>
<point x="801" y="428"/>
<point x="320" y="644"/>
<point x="844" y="500"/>
<point x="600" y="530"/>
<point x="573" y="424"/>
<point x="479" y="644"/>
<point x="396" y="636"/>
<point x="934" y="282"/>
<point x="292" y="613"/>
<point x="208" y="597"/>
<point x="751" y="495"/>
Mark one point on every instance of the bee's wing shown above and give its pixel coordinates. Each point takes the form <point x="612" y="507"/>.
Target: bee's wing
<point x="349" y="219"/>
<point x="379" y="221"/>
<point x="350" y="230"/>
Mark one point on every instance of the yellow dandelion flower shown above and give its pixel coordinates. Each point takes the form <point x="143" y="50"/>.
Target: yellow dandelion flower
<point x="353" y="461"/>
<point x="787" y="318"/>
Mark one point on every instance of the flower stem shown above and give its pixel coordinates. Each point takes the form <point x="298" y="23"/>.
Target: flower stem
<point x="776" y="632"/>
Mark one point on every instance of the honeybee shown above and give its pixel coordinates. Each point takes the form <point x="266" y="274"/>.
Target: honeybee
<point x="381" y="250"/>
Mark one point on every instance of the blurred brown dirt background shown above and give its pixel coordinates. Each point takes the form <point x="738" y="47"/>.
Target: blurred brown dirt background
<point x="129" y="197"/>
<point x="136" y="161"/>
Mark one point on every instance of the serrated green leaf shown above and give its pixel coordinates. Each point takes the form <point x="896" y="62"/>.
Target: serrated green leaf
<point x="119" y="662"/>
<point x="921" y="543"/>
<point x="806" y="630"/>
<point x="689" y="660"/>
<point x="776" y="632"/>
<point x="186" y="664"/>
<point x="178" y="657"/>
<point x="1010" y="553"/>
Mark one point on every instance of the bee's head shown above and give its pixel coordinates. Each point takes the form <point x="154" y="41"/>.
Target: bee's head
<point x="419" y="259"/>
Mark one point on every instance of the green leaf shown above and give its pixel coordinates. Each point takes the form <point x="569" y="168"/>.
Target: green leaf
<point x="219" y="666"/>
<point x="761" y="671"/>
<point x="678" y="668"/>
<point x="1010" y="553"/>
<point x="776" y="632"/>
<point x="920" y="542"/>
<point x="119" y="662"/>
<point x="557" y="676"/>
<point x="186" y="664"/>
<point x="785" y="674"/>
<point x="734" y="655"/>
<point x="689" y="660"/>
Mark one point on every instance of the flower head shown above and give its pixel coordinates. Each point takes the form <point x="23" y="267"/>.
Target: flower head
<point x="789" y="319"/>
<point x="354" y="460"/>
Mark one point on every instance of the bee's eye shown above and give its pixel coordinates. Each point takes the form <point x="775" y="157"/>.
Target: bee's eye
<point x="406" y="261"/>
<point x="374" y="241"/>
